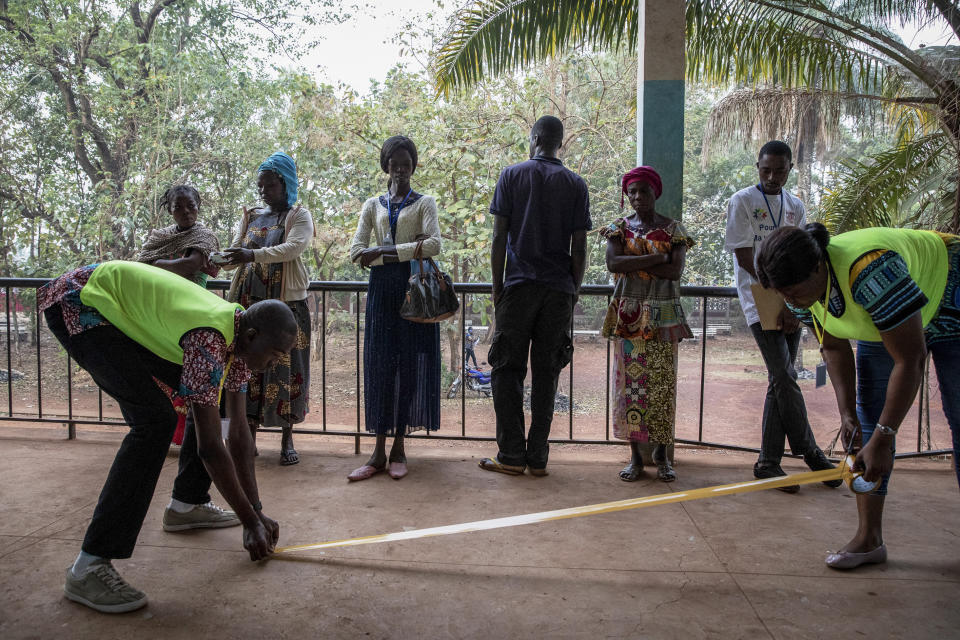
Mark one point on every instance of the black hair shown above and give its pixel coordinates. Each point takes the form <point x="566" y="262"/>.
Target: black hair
<point x="550" y="130"/>
<point x="170" y="195"/>
<point x="394" y="144"/>
<point x="272" y="317"/>
<point x="790" y="255"/>
<point x="776" y="148"/>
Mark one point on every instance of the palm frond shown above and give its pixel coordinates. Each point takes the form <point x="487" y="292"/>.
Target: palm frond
<point x="746" y="116"/>
<point x="887" y="12"/>
<point x="911" y="183"/>
<point x="491" y="37"/>
<point x="750" y="42"/>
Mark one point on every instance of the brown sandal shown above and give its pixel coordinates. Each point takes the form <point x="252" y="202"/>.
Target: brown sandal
<point x="492" y="464"/>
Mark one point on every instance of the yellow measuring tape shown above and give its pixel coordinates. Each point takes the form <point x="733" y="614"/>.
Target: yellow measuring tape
<point x="841" y="472"/>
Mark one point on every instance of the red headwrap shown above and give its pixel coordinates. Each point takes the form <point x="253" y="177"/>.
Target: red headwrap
<point x="642" y="174"/>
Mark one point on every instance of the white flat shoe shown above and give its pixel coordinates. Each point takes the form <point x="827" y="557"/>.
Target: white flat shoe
<point x="851" y="560"/>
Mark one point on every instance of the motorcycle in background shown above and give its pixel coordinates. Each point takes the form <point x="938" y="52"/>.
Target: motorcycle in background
<point x="477" y="380"/>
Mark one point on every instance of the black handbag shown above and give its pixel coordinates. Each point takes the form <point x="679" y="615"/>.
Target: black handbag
<point x="430" y="296"/>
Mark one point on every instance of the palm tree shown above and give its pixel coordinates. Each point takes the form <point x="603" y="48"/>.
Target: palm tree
<point x="840" y="50"/>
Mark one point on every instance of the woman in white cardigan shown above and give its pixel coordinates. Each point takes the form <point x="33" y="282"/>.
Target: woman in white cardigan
<point x="401" y="359"/>
<point x="268" y="249"/>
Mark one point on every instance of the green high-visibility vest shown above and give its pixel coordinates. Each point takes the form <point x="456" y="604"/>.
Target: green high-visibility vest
<point x="925" y="254"/>
<point x="155" y="307"/>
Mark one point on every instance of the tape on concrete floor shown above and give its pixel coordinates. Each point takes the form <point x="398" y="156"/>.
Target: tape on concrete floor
<point x="841" y="472"/>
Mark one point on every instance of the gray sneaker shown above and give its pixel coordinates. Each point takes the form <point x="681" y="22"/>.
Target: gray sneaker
<point x="202" y="516"/>
<point x="103" y="589"/>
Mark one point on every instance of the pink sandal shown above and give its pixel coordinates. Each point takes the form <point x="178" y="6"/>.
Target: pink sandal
<point x="397" y="470"/>
<point x="364" y="472"/>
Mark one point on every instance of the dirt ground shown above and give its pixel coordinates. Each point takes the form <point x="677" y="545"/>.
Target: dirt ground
<point x="734" y="389"/>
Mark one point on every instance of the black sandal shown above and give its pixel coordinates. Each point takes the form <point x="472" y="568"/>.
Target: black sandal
<point x="289" y="457"/>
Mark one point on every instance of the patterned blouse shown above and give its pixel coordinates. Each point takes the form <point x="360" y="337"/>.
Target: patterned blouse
<point x="205" y="351"/>
<point x="644" y="306"/>
<point x="880" y="282"/>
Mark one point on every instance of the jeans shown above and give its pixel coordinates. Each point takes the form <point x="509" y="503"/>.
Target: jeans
<point x="874" y="365"/>
<point x="873" y="373"/>
<point x="125" y="370"/>
<point x="946" y="357"/>
<point x="536" y="320"/>
<point x="784" y="412"/>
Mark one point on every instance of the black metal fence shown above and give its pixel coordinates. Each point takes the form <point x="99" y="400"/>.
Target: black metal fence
<point x="703" y="300"/>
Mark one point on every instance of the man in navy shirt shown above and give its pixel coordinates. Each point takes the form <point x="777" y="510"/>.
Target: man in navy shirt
<point x="541" y="217"/>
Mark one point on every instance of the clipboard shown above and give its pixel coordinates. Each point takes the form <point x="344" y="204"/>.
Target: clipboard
<point x="769" y="306"/>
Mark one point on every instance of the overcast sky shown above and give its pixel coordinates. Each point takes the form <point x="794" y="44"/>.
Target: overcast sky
<point x="364" y="48"/>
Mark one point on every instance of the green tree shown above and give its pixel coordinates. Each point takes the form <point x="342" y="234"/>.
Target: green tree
<point x="842" y="49"/>
<point x="109" y="103"/>
<point x="463" y="143"/>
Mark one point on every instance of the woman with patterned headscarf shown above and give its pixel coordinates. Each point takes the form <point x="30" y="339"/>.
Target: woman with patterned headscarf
<point x="645" y="253"/>
<point x="268" y="249"/>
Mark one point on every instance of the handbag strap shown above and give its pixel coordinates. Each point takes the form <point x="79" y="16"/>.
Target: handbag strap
<point x="418" y="256"/>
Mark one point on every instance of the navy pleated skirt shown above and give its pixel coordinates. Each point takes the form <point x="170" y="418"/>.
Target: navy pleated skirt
<point x="401" y="359"/>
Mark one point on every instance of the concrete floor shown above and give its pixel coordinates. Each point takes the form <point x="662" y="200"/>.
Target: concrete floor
<point x="748" y="566"/>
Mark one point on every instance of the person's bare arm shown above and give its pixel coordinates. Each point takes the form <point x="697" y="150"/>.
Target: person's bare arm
<point x="907" y="346"/>
<point x="241" y="447"/>
<point x="745" y="260"/>
<point x="220" y="466"/>
<point x="619" y="262"/>
<point x="186" y="266"/>
<point x="841" y="365"/>
<point x="673" y="269"/>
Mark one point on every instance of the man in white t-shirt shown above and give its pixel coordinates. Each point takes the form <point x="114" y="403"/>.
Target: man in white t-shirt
<point x="753" y="214"/>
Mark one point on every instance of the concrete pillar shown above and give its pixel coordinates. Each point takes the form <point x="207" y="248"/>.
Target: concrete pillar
<point x="660" y="96"/>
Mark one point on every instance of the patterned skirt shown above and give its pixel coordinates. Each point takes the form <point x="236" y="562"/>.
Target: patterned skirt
<point x="644" y="390"/>
<point x="401" y="359"/>
<point x="280" y="396"/>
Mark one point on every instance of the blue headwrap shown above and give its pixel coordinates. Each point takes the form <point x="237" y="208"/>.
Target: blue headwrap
<point x="284" y="166"/>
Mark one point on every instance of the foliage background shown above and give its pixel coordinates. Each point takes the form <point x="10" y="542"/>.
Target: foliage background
<point x="112" y="102"/>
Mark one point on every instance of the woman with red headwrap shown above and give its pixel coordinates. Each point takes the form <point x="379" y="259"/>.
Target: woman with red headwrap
<point x="645" y="253"/>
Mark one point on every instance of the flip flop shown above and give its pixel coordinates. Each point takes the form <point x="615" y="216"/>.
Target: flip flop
<point x="492" y="464"/>
<point x="289" y="457"/>
<point x="364" y="472"/>
<point x="397" y="470"/>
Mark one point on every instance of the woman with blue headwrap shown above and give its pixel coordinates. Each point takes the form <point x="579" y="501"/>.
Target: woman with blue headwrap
<point x="267" y="249"/>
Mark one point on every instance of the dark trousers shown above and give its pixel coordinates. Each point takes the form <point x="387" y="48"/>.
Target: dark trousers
<point x="192" y="484"/>
<point x="467" y="355"/>
<point x="533" y="320"/>
<point x="126" y="370"/>
<point x="784" y="412"/>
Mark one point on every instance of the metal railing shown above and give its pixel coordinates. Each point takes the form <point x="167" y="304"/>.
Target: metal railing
<point x="702" y="293"/>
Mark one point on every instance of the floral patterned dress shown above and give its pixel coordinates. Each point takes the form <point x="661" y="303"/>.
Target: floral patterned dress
<point x="646" y="321"/>
<point x="279" y="396"/>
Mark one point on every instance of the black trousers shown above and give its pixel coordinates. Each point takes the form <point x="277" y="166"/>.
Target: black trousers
<point x="468" y="354"/>
<point x="531" y="320"/>
<point x="125" y="370"/>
